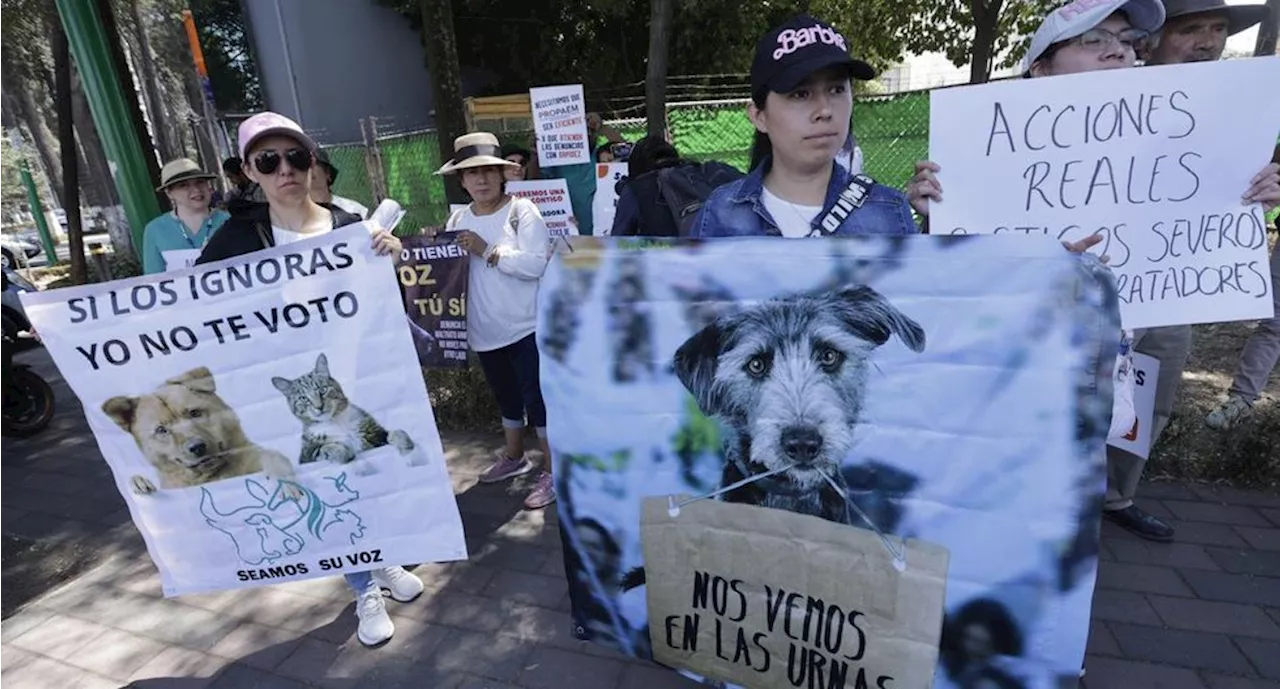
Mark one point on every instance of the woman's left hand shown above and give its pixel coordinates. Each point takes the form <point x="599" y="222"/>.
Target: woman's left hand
<point x="472" y="242"/>
<point x="1079" y="247"/>
<point x="386" y="244"/>
<point x="1264" y="188"/>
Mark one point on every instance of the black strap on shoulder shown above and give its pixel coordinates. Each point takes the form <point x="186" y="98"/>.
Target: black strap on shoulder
<point x="850" y="200"/>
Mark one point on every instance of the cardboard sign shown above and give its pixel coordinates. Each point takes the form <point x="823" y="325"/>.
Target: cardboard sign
<point x="560" y="123"/>
<point x="771" y="599"/>
<point x="1146" y="371"/>
<point x="1154" y="159"/>
<point x="609" y="180"/>
<point x="551" y="196"/>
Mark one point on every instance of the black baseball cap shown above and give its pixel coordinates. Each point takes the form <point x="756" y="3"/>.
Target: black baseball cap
<point x="322" y="157"/>
<point x="789" y="53"/>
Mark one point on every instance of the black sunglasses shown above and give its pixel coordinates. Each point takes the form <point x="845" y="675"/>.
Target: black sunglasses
<point x="267" y="162"/>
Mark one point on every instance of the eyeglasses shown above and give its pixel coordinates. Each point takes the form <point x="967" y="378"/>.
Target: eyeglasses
<point x="268" y="161"/>
<point x="1097" y="40"/>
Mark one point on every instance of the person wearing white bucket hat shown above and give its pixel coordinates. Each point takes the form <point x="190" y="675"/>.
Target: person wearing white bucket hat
<point x="174" y="239"/>
<point x="1087" y="36"/>
<point x="509" y="247"/>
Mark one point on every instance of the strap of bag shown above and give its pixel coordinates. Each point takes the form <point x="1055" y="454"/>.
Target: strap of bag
<point x="268" y="239"/>
<point x="850" y="200"/>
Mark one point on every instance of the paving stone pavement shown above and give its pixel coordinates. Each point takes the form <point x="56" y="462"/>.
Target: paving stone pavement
<point x="1201" y="613"/>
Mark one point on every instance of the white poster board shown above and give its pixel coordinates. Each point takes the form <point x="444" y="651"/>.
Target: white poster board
<point x="1146" y="370"/>
<point x="605" y="203"/>
<point x="264" y="417"/>
<point x="551" y="196"/>
<point x="560" y="122"/>
<point x="177" y="259"/>
<point x="1155" y="159"/>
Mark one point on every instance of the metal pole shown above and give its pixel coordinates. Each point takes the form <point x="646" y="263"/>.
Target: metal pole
<point x="105" y="94"/>
<point x="33" y="200"/>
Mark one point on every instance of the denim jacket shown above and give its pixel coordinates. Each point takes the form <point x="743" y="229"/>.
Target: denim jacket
<point x="736" y="209"/>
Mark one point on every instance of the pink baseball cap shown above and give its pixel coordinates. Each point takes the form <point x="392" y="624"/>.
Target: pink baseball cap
<point x="269" y="124"/>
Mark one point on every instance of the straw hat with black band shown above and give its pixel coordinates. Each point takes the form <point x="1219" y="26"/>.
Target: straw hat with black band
<point x="478" y="149"/>
<point x="181" y="170"/>
<point x="1239" y="17"/>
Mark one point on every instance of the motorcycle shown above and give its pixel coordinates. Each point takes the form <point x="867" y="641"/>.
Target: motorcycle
<point x="28" y="398"/>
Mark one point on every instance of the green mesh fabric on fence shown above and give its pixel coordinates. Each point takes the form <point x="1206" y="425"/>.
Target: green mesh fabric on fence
<point x="410" y="163"/>
<point x="892" y="131"/>
<point x="353" y="177"/>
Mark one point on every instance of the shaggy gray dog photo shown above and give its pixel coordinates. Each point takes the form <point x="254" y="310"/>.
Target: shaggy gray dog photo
<point x="786" y="379"/>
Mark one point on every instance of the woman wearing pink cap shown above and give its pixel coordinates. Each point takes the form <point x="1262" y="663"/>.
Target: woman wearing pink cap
<point x="279" y="157"/>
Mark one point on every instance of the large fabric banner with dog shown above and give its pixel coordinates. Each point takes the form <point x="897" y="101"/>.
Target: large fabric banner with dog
<point x="264" y="417"/>
<point x="932" y="410"/>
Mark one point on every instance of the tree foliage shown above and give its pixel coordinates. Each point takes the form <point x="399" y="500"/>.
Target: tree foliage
<point x="506" y="47"/>
<point x="981" y="33"/>
<point x="228" y="55"/>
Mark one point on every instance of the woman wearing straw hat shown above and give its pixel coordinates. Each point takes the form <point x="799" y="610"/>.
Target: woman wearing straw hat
<point x="174" y="239"/>
<point x="509" y="245"/>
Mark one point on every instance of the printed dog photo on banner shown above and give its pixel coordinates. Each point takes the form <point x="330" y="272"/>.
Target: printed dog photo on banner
<point x="932" y="411"/>
<point x="260" y="415"/>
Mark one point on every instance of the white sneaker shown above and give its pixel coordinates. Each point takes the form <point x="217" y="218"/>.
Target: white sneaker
<point x="375" y="625"/>
<point x="401" y="584"/>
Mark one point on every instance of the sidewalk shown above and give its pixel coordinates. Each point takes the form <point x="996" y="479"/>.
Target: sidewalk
<point x="1202" y="613"/>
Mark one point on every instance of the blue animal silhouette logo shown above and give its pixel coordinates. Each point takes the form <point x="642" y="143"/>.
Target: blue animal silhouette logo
<point x="267" y="525"/>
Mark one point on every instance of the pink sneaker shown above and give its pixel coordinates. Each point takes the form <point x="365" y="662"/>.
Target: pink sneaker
<point x="543" y="494"/>
<point x="506" y="468"/>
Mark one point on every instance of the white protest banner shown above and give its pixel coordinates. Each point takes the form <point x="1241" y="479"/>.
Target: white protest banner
<point x="1154" y="159"/>
<point x="609" y="180"/>
<point x="551" y="196"/>
<point x="560" y="122"/>
<point x="1146" y="370"/>
<point x="264" y="416"/>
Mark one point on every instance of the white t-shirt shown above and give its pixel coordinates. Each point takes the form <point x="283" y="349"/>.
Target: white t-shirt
<point x="793" y="220"/>
<point x="283" y="236"/>
<point x="502" y="300"/>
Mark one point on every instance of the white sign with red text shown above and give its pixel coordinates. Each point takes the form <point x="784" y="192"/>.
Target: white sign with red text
<point x="560" y="122"/>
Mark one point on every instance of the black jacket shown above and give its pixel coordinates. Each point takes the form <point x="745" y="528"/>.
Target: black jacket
<point x="249" y="230"/>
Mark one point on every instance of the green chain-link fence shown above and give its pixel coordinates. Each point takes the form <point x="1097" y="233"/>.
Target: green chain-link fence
<point x="893" y="132"/>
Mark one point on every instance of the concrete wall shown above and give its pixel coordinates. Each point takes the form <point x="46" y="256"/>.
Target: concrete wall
<point x="328" y="63"/>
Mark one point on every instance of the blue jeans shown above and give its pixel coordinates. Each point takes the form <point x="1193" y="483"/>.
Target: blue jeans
<point x="361" y="583"/>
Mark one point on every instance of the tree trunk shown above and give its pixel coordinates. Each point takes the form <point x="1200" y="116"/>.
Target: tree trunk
<point x="107" y="13"/>
<point x="1266" y="44"/>
<point x="446" y="83"/>
<point x="96" y="166"/>
<point x="151" y="85"/>
<point x="41" y="138"/>
<point x="655" y="90"/>
<point x="67" y="135"/>
<point x="986" y="22"/>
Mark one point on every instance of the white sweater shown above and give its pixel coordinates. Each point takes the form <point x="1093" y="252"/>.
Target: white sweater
<point x="502" y="300"/>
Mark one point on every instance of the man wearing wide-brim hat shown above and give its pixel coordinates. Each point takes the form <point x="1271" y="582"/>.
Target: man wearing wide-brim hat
<point x="1197" y="30"/>
<point x="174" y="239"/>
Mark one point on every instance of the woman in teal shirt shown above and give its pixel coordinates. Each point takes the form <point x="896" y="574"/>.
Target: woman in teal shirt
<point x="174" y="240"/>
